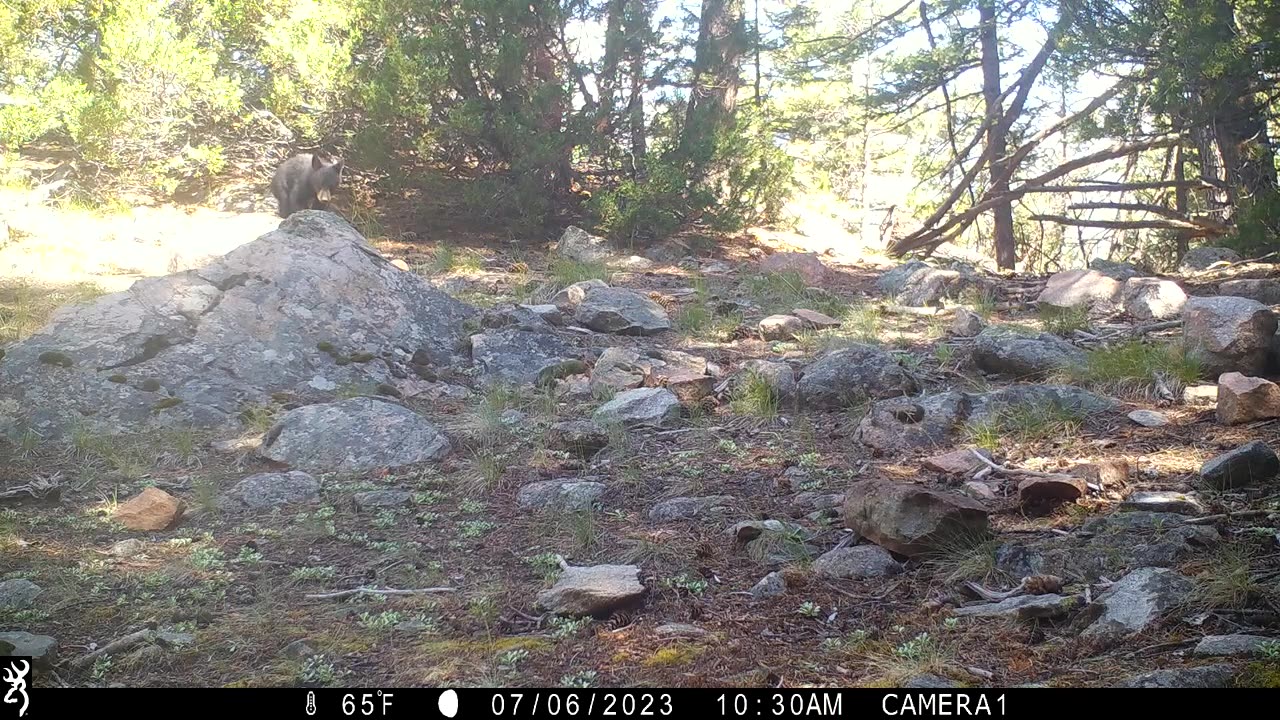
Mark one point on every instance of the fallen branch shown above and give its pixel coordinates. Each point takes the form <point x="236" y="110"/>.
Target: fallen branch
<point x="113" y="647"/>
<point x="376" y="591"/>
<point x="1013" y="471"/>
<point x="909" y="310"/>
<point x="1197" y="229"/>
<point x="1143" y="329"/>
<point x="40" y="489"/>
<point x="1209" y="519"/>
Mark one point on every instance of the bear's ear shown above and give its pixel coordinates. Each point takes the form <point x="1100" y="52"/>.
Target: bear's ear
<point x="316" y="162"/>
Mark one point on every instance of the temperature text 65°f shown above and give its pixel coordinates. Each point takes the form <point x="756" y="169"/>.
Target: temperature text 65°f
<point x="366" y="704"/>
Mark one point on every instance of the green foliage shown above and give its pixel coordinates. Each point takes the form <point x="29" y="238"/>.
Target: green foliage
<point x="1024" y="422"/>
<point x="644" y="209"/>
<point x="1138" y="366"/>
<point x="1064" y="321"/>
<point x="755" y="395"/>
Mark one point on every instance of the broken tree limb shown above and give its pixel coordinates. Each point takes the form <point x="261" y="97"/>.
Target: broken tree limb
<point x="113" y="647"/>
<point x="376" y="591"/>
<point x="1197" y="229"/>
<point x="1013" y="471"/>
<point x="1121" y="187"/>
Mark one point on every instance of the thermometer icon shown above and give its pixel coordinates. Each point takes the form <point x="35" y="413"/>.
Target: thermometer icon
<point x="311" y="703"/>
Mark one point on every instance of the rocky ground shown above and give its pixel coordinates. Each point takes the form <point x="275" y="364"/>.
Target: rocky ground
<point x="320" y="461"/>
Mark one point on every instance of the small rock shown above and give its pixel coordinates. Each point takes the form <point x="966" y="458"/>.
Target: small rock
<point x="1119" y="270"/>
<point x="1000" y="350"/>
<point x="632" y="264"/>
<point x="928" y="680"/>
<point x="1163" y="501"/>
<point x="919" y="284"/>
<point x="749" y="530"/>
<point x="846" y="376"/>
<point x="1137" y="601"/>
<point x="578" y="244"/>
<point x="374" y="499"/>
<point x="400" y="264"/>
<point x="1200" y="394"/>
<point x="1023" y="607"/>
<point x="568" y="299"/>
<point x="1202" y="258"/>
<point x="618" y="369"/>
<point x="1248" y="464"/>
<point x="1149" y="418"/>
<point x="1047" y="490"/>
<point x="1148" y="298"/>
<point x="175" y="639"/>
<point x="688" y="508"/>
<point x="909" y="519"/>
<point x="1243" y="399"/>
<point x="298" y="650"/>
<point x="247" y="444"/>
<point x="656" y="407"/>
<point x="152" y="509"/>
<point x="956" y="462"/>
<point x="807" y="265"/>
<point x="42" y="649"/>
<point x="18" y="594"/>
<point x="568" y="495"/>
<point x="132" y="547"/>
<point x="815" y="320"/>
<point x="979" y="490"/>
<point x="268" y="490"/>
<point x="855" y="563"/>
<point x="777" y="375"/>
<point x="592" y="590"/>
<point x="1207" y="676"/>
<point x="678" y="630"/>
<point x="548" y="312"/>
<point x="780" y="327"/>
<point x="1231" y="645"/>
<point x="966" y="323"/>
<point x="581" y="437"/>
<point x="770" y="586"/>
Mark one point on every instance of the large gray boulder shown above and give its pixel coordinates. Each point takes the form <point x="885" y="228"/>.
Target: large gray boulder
<point x="855" y="563"/>
<point x="269" y="490"/>
<point x="1228" y="334"/>
<point x="1081" y="288"/>
<point x="521" y="357"/>
<point x="641" y="407"/>
<point x="564" y="494"/>
<point x="622" y="312"/>
<point x="580" y="245"/>
<point x="1202" y="258"/>
<point x="1137" y="601"/>
<point x="849" y="375"/>
<point x="1008" y="352"/>
<point x="919" y="284"/>
<point x="1253" y="463"/>
<point x="302" y="310"/>
<point x="910" y="519"/>
<point x="353" y="435"/>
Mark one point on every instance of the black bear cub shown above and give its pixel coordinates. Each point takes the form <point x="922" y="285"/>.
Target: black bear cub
<point x="305" y="182"/>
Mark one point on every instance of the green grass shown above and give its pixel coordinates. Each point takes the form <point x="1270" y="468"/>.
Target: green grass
<point x="1137" y="366"/>
<point x="983" y="301"/>
<point x="784" y="292"/>
<point x="1229" y="581"/>
<point x="447" y="258"/>
<point x="1063" y="321"/>
<point x="1023" y="423"/>
<point x="755" y="395"/>
<point x="25" y="306"/>
<point x="965" y="556"/>
<point x="567" y="272"/>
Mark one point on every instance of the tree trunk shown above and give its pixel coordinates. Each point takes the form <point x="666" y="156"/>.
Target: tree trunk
<point x="614" y="45"/>
<point x="547" y="89"/>
<point x="1002" y="213"/>
<point x="714" y="92"/>
<point x="636" y="29"/>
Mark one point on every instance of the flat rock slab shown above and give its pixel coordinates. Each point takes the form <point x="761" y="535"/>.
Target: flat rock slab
<point x="568" y="299"/>
<point x="1137" y="601"/>
<point x="570" y="495"/>
<point x="18" y="593"/>
<point x="1149" y="418"/>
<point x="1023" y="607"/>
<point x="300" y="310"/>
<point x="580" y="437"/>
<point x="150" y="510"/>
<point x="928" y="680"/>
<point x="1202" y="258"/>
<point x="1023" y="356"/>
<point x="1080" y="288"/>
<point x="1234" y="645"/>
<point x="269" y="490"/>
<point x="807" y="265"/>
<point x="855" y="563"/>
<point x="847" y="376"/>
<point x="816" y="320"/>
<point x="689" y="508"/>
<point x="956" y="462"/>
<point x="378" y="499"/>
<point x="1108" y="546"/>
<point x="593" y="590"/>
<point x="1205" y="676"/>
<point x="353" y="435"/>
<point x="521" y="357"/>
<point x="42" y="649"/>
